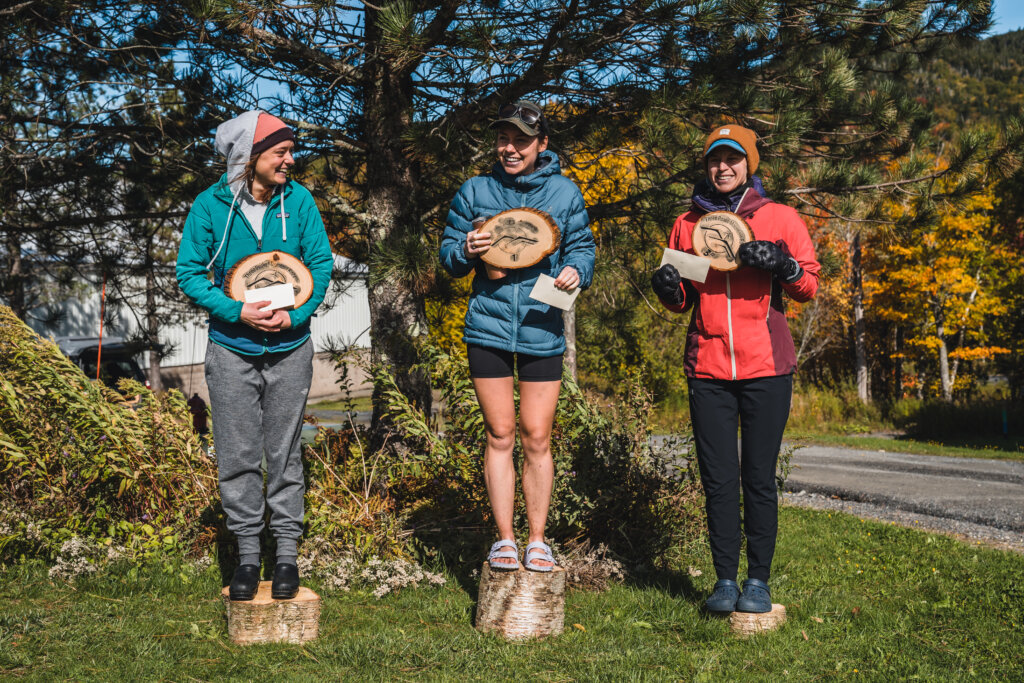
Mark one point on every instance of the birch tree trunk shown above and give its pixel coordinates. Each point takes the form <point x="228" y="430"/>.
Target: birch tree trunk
<point x="859" y="325"/>
<point x="947" y="385"/>
<point x="152" y="326"/>
<point x="569" y="320"/>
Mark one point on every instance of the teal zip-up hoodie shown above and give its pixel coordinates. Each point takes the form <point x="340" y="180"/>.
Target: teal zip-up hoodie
<point x="501" y="314"/>
<point x="291" y="224"/>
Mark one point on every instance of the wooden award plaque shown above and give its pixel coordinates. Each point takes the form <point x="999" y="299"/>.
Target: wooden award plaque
<point x="519" y="238"/>
<point x="268" y="269"/>
<point x="718" y="235"/>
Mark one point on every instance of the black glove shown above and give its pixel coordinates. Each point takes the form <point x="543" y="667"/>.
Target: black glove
<point x="667" y="284"/>
<point x="770" y="256"/>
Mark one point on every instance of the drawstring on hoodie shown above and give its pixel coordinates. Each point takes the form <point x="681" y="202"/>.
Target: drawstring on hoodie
<point x="284" y="229"/>
<point x="227" y="226"/>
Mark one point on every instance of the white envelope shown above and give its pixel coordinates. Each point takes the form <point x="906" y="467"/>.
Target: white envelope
<point x="279" y="296"/>
<point x="546" y="292"/>
<point x="689" y="266"/>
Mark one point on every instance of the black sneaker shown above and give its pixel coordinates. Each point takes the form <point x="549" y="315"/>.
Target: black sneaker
<point x="286" y="581"/>
<point x="245" y="582"/>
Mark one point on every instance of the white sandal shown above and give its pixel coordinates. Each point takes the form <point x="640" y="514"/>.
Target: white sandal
<point x="538" y="550"/>
<point x="496" y="553"/>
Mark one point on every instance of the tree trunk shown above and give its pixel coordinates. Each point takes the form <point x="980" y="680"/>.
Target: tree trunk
<point x="569" y="320"/>
<point x="15" y="276"/>
<point x="859" y="325"/>
<point x="398" y="321"/>
<point x="152" y="327"/>
<point x="940" y="334"/>
<point x="521" y="604"/>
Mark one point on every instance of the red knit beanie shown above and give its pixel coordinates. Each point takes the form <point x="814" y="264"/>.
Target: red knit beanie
<point x="270" y="131"/>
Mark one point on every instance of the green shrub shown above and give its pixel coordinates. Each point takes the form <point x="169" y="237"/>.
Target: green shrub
<point x="78" y="460"/>
<point x="937" y="419"/>
<point x="608" y="489"/>
<point x="833" y="410"/>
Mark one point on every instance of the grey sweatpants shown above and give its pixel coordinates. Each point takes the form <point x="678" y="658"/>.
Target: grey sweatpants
<point x="257" y="404"/>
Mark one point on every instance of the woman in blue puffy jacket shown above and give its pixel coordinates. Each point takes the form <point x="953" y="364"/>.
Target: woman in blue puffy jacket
<point x="506" y="328"/>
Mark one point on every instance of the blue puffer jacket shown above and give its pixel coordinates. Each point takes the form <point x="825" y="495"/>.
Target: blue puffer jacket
<point x="501" y="314"/>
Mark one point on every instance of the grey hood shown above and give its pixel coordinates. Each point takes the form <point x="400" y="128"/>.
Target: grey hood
<point x="234" y="141"/>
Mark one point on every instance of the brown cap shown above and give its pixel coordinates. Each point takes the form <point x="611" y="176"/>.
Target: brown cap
<point x="737" y="137"/>
<point x="525" y="115"/>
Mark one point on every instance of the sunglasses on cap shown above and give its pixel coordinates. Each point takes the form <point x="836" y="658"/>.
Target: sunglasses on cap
<point x="527" y="115"/>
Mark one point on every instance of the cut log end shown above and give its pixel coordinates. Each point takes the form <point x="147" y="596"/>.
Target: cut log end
<point x="521" y="604"/>
<point x="265" y="620"/>
<point x="747" y="624"/>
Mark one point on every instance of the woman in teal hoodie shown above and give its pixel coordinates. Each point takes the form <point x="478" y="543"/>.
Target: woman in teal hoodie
<point x="259" y="363"/>
<point x="505" y="327"/>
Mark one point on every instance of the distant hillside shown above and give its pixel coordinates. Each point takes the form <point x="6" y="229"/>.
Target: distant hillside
<point x="981" y="82"/>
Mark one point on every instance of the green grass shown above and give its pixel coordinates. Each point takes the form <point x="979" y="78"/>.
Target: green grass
<point x="1012" y="449"/>
<point x="360" y="403"/>
<point x="867" y="601"/>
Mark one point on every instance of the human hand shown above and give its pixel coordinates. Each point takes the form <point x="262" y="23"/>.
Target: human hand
<point x="256" y="316"/>
<point x="568" y="279"/>
<point x="769" y="256"/>
<point x="477" y="243"/>
<point x="667" y="284"/>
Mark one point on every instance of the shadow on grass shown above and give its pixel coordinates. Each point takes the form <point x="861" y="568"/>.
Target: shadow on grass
<point x="461" y="547"/>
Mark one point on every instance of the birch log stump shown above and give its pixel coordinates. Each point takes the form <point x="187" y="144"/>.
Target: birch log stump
<point x="265" y="620"/>
<point x="747" y="624"/>
<point x="521" y="604"/>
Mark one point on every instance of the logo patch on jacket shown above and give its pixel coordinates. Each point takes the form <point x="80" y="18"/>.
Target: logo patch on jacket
<point x="287" y="215"/>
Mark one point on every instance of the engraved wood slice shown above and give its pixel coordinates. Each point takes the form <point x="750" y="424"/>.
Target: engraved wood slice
<point x="718" y="235"/>
<point x="521" y="604"/>
<point x="267" y="269"/>
<point x="520" y="238"/>
<point x="265" y="620"/>
<point x="747" y="624"/>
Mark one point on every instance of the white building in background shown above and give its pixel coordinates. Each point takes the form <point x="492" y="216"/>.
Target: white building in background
<point x="343" y="319"/>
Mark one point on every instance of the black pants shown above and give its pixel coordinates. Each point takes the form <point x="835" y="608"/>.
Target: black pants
<point x="761" y="406"/>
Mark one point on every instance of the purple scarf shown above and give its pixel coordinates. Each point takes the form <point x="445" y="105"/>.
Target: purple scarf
<point x="706" y="199"/>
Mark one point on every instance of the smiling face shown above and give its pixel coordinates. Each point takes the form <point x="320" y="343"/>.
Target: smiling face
<point x="517" y="151"/>
<point x="272" y="166"/>
<point x="727" y="168"/>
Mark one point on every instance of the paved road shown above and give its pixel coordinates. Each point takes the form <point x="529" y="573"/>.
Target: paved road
<point x="970" y="497"/>
<point x="987" y="492"/>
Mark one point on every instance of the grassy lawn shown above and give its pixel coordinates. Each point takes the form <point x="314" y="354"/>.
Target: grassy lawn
<point x="995" y="449"/>
<point x="866" y="601"/>
<point x="360" y="403"/>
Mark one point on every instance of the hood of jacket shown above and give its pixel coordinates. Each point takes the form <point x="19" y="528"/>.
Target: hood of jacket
<point x="234" y="141"/>
<point x="547" y="166"/>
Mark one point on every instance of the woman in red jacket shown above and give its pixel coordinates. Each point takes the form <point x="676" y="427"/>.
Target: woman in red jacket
<point x="739" y="359"/>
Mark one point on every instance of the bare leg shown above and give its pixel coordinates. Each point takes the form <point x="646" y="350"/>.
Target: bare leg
<point x="497" y="402"/>
<point x="537" y="404"/>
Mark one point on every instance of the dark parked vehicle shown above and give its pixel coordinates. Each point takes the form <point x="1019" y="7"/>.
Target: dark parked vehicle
<point x="117" y="358"/>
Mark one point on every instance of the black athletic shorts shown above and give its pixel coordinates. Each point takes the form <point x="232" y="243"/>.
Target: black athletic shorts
<point x="487" y="363"/>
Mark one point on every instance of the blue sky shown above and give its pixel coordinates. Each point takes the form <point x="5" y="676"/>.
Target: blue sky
<point x="1009" y="16"/>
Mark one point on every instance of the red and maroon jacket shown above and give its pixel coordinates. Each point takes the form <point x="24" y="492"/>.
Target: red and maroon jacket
<point x="738" y="329"/>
